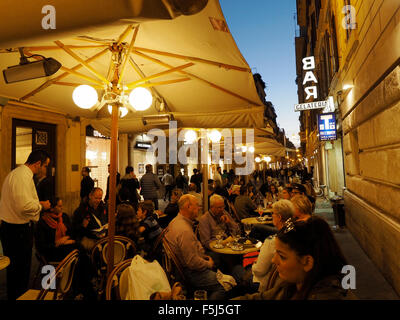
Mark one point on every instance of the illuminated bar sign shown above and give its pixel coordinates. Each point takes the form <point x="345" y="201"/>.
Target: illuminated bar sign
<point x="327" y="126"/>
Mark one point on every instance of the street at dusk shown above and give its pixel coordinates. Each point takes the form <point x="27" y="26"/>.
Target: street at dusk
<point x="219" y="150"/>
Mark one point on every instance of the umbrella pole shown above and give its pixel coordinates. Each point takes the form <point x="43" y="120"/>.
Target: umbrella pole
<point x="112" y="186"/>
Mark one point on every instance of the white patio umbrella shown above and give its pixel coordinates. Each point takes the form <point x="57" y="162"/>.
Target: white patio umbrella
<point x="191" y="65"/>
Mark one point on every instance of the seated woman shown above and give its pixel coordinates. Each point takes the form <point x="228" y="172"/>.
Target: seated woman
<point x="127" y="223"/>
<point x="272" y="194"/>
<point x="149" y="227"/>
<point x="53" y="233"/>
<point x="309" y="262"/>
<point x="302" y="207"/>
<point x="172" y="209"/>
<point x="286" y="193"/>
<point x="282" y="211"/>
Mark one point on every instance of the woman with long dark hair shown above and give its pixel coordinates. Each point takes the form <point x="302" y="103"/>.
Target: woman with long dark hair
<point x="309" y="263"/>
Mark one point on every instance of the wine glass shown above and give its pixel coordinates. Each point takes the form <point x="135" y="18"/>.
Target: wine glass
<point x="260" y="212"/>
<point x="236" y="236"/>
<point x="247" y="229"/>
<point x="218" y="232"/>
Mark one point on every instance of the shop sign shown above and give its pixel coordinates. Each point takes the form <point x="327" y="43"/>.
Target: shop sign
<point x="327" y="126"/>
<point x="327" y="105"/>
<point x="143" y="145"/>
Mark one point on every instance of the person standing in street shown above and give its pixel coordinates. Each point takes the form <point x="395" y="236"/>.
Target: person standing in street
<point x="129" y="185"/>
<point x="150" y="184"/>
<point x="168" y="181"/>
<point x="19" y="208"/>
<point x="87" y="184"/>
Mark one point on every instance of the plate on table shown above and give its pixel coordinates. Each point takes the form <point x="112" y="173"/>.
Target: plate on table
<point x="248" y="243"/>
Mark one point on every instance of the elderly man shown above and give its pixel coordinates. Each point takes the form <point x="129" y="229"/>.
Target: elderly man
<point x="215" y="218"/>
<point x="189" y="251"/>
<point x="89" y="222"/>
<point x="19" y="208"/>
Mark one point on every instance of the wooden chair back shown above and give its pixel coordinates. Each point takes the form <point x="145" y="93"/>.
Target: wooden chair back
<point x="172" y="265"/>
<point x="117" y="282"/>
<point x="124" y="248"/>
<point x="63" y="277"/>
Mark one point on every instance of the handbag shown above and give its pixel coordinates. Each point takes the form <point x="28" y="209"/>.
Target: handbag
<point x="145" y="278"/>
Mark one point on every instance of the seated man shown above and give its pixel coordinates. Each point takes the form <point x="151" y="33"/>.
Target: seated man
<point x="89" y="222"/>
<point x="214" y="218"/>
<point x="243" y="204"/>
<point x="197" y="266"/>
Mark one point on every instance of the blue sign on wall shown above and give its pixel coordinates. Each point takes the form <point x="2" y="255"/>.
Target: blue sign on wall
<point x="327" y="126"/>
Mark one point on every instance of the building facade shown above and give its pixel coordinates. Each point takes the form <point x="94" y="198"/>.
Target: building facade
<point x="356" y="46"/>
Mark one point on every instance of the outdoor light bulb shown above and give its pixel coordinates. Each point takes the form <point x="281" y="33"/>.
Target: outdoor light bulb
<point x="258" y="159"/>
<point x="251" y="149"/>
<point x="123" y="111"/>
<point x="190" y="136"/>
<point x="140" y="99"/>
<point x="84" y="96"/>
<point x="215" y="136"/>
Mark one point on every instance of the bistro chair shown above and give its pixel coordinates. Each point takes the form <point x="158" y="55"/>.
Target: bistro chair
<point x="118" y="281"/>
<point x="63" y="277"/>
<point x="123" y="248"/>
<point x="171" y="264"/>
<point x="156" y="251"/>
<point x="42" y="262"/>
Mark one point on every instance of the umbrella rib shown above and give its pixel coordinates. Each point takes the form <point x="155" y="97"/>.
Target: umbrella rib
<point x="194" y="59"/>
<point x="80" y="75"/>
<point x="124" y="34"/>
<point x="161" y="83"/>
<point x="196" y="77"/>
<point x="128" y="55"/>
<point x="45" y="48"/>
<point x="51" y="81"/>
<point x="71" y="84"/>
<point x="157" y="75"/>
<point x="81" y="61"/>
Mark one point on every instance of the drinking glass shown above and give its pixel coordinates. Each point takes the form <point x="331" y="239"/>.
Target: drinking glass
<point x="247" y="229"/>
<point x="200" y="295"/>
<point x="236" y="236"/>
<point x="218" y="232"/>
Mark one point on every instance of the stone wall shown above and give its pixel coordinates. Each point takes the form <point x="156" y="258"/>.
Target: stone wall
<point x="371" y="140"/>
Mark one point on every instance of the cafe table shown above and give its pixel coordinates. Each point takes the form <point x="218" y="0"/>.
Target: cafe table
<point x="228" y="250"/>
<point x="4" y="262"/>
<point x="257" y="220"/>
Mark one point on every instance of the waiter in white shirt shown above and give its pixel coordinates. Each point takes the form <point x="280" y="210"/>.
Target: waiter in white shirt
<point x="19" y="208"/>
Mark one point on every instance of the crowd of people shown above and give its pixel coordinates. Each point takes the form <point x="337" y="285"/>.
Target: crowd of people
<point x="299" y="258"/>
